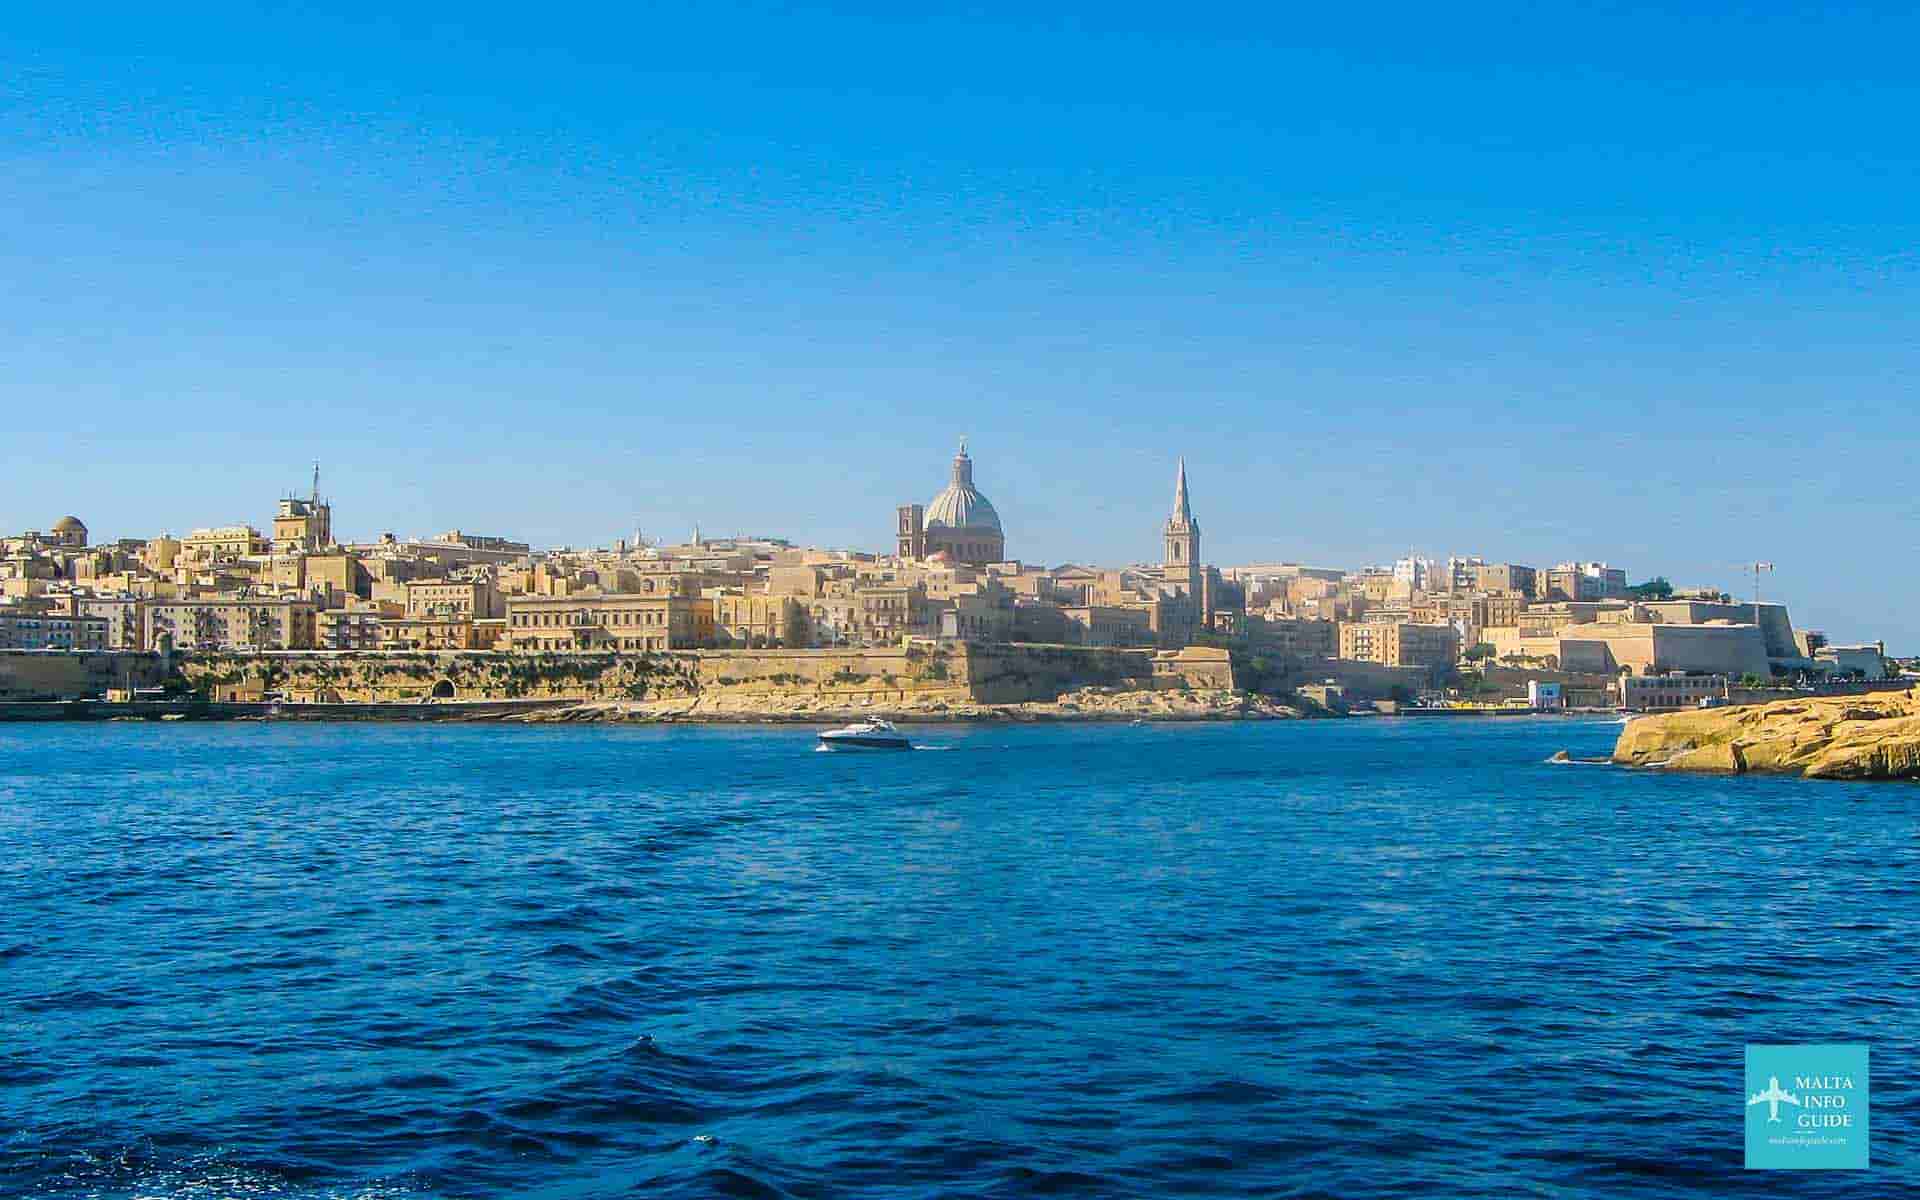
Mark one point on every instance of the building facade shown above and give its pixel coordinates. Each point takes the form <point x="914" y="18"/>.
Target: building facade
<point x="1646" y="693"/>
<point x="233" y="623"/>
<point x="302" y="526"/>
<point x="1400" y="644"/>
<point x="617" y="622"/>
<point x="52" y="631"/>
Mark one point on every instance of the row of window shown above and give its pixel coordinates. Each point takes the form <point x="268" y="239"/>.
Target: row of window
<point x="616" y="617"/>
<point x="647" y="643"/>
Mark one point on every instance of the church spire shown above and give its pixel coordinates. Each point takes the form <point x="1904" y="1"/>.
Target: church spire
<point x="1182" y="532"/>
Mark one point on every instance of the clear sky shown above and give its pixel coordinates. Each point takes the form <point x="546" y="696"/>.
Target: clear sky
<point x="1614" y="281"/>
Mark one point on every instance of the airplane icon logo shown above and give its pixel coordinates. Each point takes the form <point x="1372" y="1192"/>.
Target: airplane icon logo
<point x="1773" y="1098"/>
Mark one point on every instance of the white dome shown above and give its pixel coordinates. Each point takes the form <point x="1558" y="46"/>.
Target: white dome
<point x="959" y="506"/>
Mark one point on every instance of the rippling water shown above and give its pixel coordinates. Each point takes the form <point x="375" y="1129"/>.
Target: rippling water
<point x="1348" y="959"/>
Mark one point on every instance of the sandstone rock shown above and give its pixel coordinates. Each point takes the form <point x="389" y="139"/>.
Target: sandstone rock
<point x="1715" y="756"/>
<point x="1840" y="737"/>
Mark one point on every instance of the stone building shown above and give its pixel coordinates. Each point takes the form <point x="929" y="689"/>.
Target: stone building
<point x="223" y="543"/>
<point x="1300" y="637"/>
<point x="233" y="623"/>
<point x="472" y="599"/>
<point x="1109" y="625"/>
<point x="1400" y="644"/>
<point x="607" y="622"/>
<point x="758" y="619"/>
<point x="69" y="533"/>
<point x="52" y="631"/>
<point x="959" y="521"/>
<point x="1506" y="578"/>
<point x="349" y="629"/>
<point x="302" y="526"/>
<point x="438" y="633"/>
<point x="1645" y="693"/>
<point x="125" y="617"/>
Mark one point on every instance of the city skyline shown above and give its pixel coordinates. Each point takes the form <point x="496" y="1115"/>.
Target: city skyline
<point x="1736" y="579"/>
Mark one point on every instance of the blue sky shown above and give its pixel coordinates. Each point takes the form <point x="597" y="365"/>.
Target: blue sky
<point x="1615" y="281"/>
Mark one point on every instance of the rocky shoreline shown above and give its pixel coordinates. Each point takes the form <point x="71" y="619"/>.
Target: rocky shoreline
<point x="741" y="708"/>
<point x="1837" y="737"/>
<point x="1089" y="705"/>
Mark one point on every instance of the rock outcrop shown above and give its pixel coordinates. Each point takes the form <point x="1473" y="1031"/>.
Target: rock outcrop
<point x="1837" y="737"/>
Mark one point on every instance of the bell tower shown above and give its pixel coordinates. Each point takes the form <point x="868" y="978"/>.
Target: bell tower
<point x="1182" y="565"/>
<point x="910" y="533"/>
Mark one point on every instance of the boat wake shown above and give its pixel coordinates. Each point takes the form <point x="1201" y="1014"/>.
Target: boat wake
<point x="1560" y="758"/>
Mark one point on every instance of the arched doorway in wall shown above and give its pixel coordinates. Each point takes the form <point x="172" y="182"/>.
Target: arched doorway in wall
<point x="443" y="690"/>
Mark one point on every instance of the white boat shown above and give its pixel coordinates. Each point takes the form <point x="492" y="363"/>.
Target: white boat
<point x="871" y="734"/>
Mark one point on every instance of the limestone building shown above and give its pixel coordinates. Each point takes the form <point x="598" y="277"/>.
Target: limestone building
<point x="959" y="522"/>
<point x="607" y="622"/>
<point x="302" y="526"/>
<point x="1400" y="644"/>
<point x="52" y="631"/>
<point x="233" y="623"/>
<point x="69" y="533"/>
<point x="223" y="544"/>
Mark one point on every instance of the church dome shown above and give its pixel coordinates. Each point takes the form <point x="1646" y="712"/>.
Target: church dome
<point x="959" y="505"/>
<point x="69" y="525"/>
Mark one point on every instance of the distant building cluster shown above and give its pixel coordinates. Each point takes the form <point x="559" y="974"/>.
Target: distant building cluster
<point x="234" y="588"/>
<point x="1576" y="617"/>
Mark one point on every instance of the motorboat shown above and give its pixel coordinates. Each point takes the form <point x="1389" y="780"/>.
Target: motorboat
<point x="871" y="734"/>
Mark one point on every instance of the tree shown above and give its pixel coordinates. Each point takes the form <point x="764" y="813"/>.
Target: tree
<point x="1656" y="588"/>
<point x="1479" y="653"/>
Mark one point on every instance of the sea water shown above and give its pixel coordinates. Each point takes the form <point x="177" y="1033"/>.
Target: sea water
<point x="1367" y="958"/>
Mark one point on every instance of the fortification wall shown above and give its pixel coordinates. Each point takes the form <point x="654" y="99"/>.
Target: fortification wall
<point x="51" y="675"/>
<point x="878" y="674"/>
<point x="957" y="672"/>
<point x="448" y="675"/>
<point x="1014" y="674"/>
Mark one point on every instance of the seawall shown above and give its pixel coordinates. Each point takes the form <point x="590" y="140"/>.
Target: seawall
<point x="922" y="673"/>
<point x="44" y="675"/>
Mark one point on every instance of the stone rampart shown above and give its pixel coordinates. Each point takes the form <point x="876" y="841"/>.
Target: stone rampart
<point x="954" y="672"/>
<point x="57" y="675"/>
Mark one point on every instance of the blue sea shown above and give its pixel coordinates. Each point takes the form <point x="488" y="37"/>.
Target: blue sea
<point x="1350" y="959"/>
